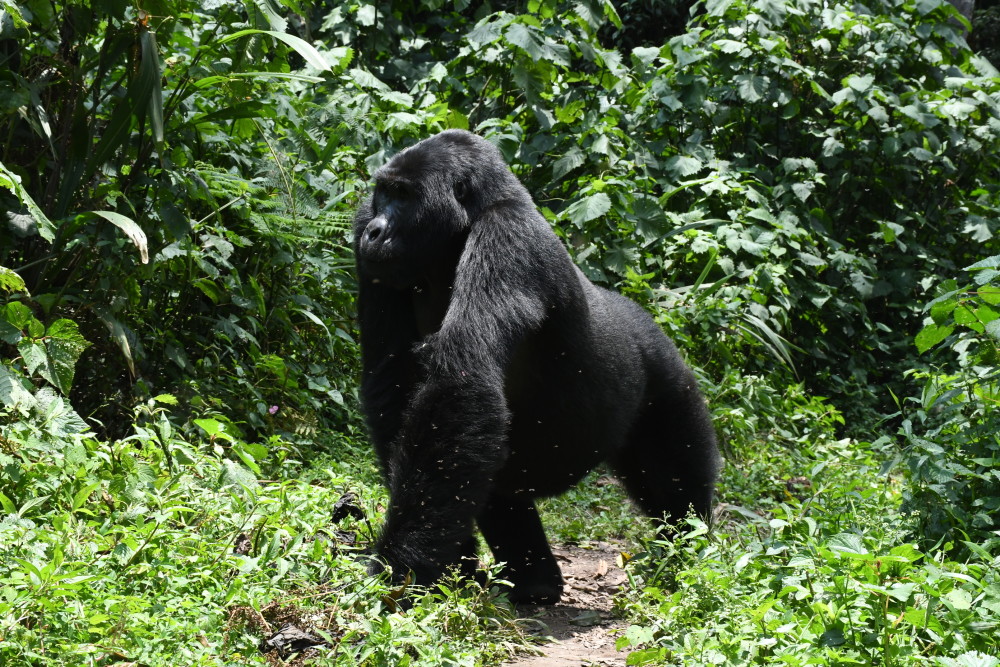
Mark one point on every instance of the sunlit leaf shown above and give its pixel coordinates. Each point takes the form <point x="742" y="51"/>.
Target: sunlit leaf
<point x="931" y="335"/>
<point x="302" y="47"/>
<point x="588" y="208"/>
<point x="131" y="229"/>
<point x="12" y="182"/>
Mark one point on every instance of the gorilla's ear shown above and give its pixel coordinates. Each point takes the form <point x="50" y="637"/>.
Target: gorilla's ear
<point x="461" y="191"/>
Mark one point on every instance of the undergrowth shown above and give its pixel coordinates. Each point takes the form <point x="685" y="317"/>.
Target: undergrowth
<point x="819" y="567"/>
<point x="180" y="548"/>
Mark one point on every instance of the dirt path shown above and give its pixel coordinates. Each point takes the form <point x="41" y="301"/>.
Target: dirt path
<point x="579" y="631"/>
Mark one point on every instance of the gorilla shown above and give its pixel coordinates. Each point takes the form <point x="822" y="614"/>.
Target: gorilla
<point x="495" y="373"/>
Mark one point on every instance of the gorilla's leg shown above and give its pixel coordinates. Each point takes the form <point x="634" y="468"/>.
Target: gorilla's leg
<point x="670" y="461"/>
<point x="513" y="530"/>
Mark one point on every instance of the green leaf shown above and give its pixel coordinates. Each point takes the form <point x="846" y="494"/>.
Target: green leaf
<point x="683" y="166"/>
<point x="487" y="31"/>
<point x="12" y="182"/>
<point x="10" y="281"/>
<point x="751" y="87"/>
<point x="83" y="495"/>
<point x="33" y="354"/>
<point x="959" y="598"/>
<point x="216" y="80"/>
<point x="270" y="10"/>
<point x="571" y="160"/>
<point x="120" y="334"/>
<point x="302" y="47"/>
<point x="365" y="15"/>
<point x="931" y="335"/>
<point x="819" y="90"/>
<point x="611" y="13"/>
<point x="149" y="72"/>
<point x="645" y="55"/>
<point x="588" y="208"/>
<point x="769" y="338"/>
<point x="728" y="45"/>
<point x="992" y="262"/>
<point x="803" y="190"/>
<point x="131" y="229"/>
<point x="810" y="259"/>
<point x="878" y="113"/>
<point x="13" y="12"/>
<point x="986" y="276"/>
<point x="859" y="83"/>
<point x="993" y="329"/>
<point x="214" y="428"/>
<point x="537" y="45"/>
<point x="901" y="592"/>
<point x="620" y="257"/>
<point x="941" y="312"/>
<point x="15" y="317"/>
<point x="848" y="543"/>
<point x="28" y="505"/>
<point x="14" y="390"/>
<point x="247" y="459"/>
<point x="990" y="294"/>
<point x="63" y="347"/>
<point x="398" y="98"/>
<point x="7" y="504"/>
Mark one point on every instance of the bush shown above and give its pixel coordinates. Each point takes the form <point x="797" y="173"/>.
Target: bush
<point x="950" y="433"/>
<point x="159" y="200"/>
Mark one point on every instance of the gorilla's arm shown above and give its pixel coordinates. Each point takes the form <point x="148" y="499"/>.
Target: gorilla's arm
<point x="388" y="334"/>
<point x="453" y="436"/>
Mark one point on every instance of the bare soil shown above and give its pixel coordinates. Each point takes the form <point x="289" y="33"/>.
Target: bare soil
<point x="579" y="631"/>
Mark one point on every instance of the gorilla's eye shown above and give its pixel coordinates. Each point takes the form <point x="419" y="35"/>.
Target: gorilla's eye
<point x="396" y="190"/>
<point x="461" y="190"/>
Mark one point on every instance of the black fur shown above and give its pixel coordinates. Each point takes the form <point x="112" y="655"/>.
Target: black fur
<point x="496" y="373"/>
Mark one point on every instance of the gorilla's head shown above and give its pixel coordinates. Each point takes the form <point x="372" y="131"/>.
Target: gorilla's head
<point x="425" y="201"/>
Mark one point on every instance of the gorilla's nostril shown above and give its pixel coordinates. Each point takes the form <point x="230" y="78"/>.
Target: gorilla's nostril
<point x="375" y="230"/>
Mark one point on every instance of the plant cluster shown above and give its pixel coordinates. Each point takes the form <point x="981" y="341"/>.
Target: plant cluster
<point x="159" y="547"/>
<point x="188" y="221"/>
<point x="828" y="576"/>
<point x="948" y="433"/>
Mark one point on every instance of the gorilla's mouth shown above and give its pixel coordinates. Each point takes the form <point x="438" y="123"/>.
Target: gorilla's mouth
<point x="387" y="272"/>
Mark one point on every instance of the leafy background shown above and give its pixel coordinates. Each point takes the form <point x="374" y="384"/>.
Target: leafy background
<point x="804" y="195"/>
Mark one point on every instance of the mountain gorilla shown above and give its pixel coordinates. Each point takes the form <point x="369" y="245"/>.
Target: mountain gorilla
<point x="495" y="373"/>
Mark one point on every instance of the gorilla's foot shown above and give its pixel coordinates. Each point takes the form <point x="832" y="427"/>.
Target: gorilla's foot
<point x="542" y="583"/>
<point x="536" y="593"/>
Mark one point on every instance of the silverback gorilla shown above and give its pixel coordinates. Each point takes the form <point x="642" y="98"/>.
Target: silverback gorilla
<point x="495" y="373"/>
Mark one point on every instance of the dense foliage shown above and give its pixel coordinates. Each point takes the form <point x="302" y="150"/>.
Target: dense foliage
<point x="804" y="194"/>
<point x="175" y="206"/>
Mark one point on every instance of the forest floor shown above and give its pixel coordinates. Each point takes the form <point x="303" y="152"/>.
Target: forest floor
<point x="579" y="631"/>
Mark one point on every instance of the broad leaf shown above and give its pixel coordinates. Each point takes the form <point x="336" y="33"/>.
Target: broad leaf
<point x="302" y="47"/>
<point x="588" y="208"/>
<point x="63" y="347"/>
<point x="131" y="229"/>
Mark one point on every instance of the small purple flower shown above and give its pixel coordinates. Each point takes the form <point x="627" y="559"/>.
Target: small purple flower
<point x="273" y="409"/>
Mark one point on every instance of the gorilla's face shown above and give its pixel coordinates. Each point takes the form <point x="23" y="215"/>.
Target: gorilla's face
<point x="414" y="223"/>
